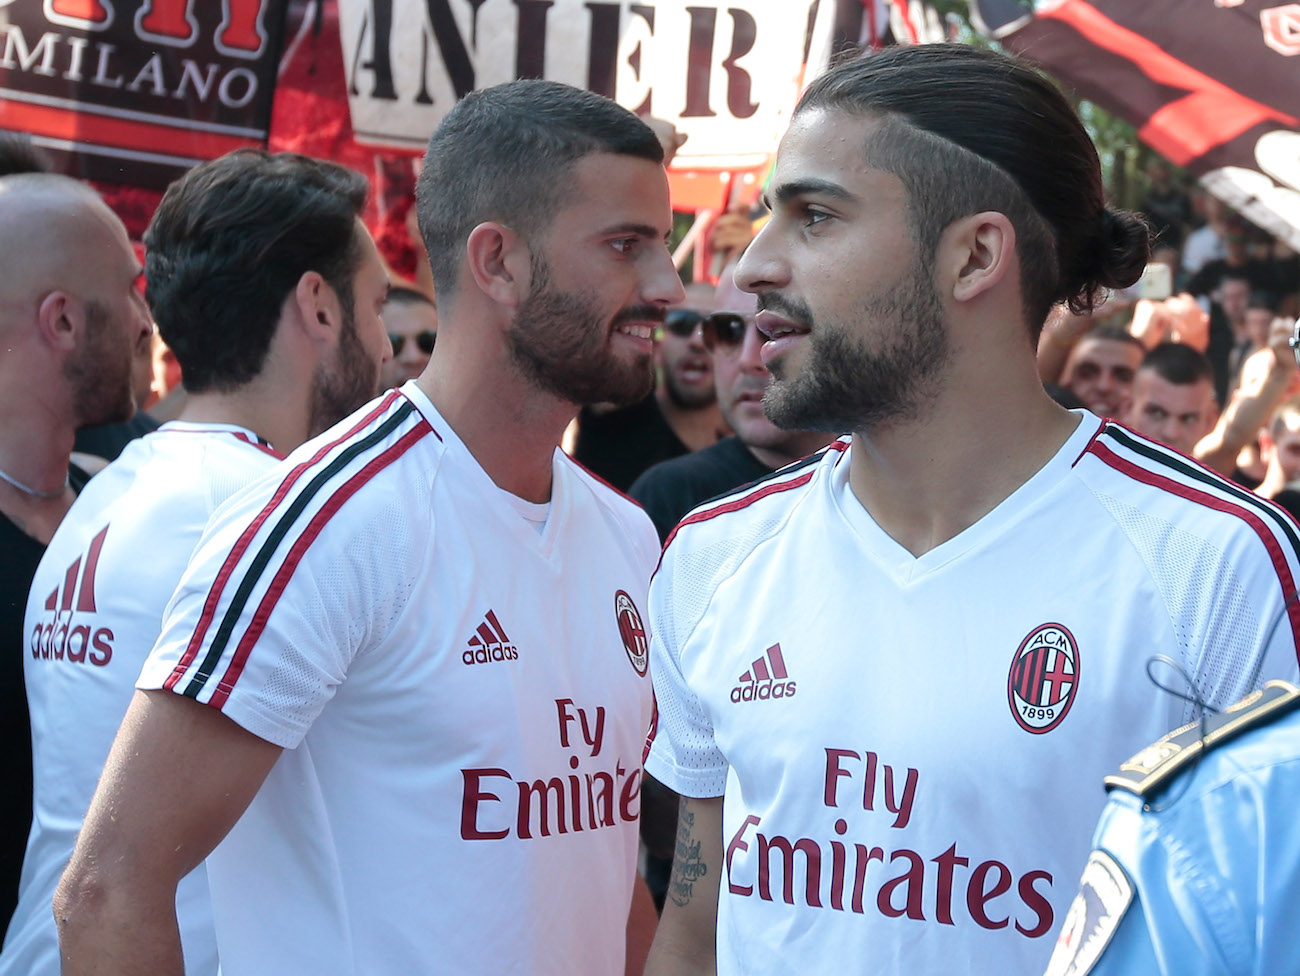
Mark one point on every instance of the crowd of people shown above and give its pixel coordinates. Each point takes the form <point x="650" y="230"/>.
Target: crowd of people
<point x="819" y="638"/>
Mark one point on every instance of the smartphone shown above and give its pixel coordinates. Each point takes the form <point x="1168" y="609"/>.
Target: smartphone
<point x="1156" y="282"/>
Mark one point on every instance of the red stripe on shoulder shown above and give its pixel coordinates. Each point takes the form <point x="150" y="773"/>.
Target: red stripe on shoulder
<point x="246" y="539"/>
<point x="736" y="504"/>
<point x="1276" y="555"/>
<point x="295" y="554"/>
<point x="618" y="491"/>
<point x="1101" y="429"/>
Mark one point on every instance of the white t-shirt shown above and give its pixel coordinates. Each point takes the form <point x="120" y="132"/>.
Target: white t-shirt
<point x="462" y="700"/>
<point x="911" y="750"/>
<point x="94" y="611"/>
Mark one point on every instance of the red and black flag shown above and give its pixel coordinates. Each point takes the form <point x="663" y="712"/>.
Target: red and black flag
<point x="1209" y="84"/>
<point x="136" y="91"/>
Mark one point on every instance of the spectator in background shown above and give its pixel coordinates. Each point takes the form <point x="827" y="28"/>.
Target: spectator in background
<point x="672" y="488"/>
<point x="681" y="414"/>
<point x="1100" y="370"/>
<point x="1173" y="397"/>
<point x="1280" y="449"/>
<point x="1206" y="242"/>
<point x="411" y="318"/>
<point x="1167" y="206"/>
<point x="70" y="318"/>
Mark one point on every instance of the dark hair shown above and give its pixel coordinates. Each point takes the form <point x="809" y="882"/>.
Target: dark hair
<point x="229" y="243"/>
<point x="19" y="155"/>
<point x="401" y="295"/>
<point x="1179" y="363"/>
<point x="503" y="154"/>
<point x="967" y="130"/>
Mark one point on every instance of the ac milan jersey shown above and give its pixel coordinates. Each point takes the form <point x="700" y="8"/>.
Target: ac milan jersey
<point x="94" y="611"/>
<point x="462" y="699"/>
<point x="908" y="747"/>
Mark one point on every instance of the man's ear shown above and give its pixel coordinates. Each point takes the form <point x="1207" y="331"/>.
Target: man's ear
<point x="319" y="312"/>
<point x="499" y="262"/>
<point x="61" y="320"/>
<point x="977" y="253"/>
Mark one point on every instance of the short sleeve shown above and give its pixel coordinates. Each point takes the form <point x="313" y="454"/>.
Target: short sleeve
<point x="295" y="577"/>
<point x="683" y="754"/>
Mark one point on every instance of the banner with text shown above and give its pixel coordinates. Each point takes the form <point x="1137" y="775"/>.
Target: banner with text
<point x="1213" y="85"/>
<point x="135" y="91"/>
<point x="726" y="74"/>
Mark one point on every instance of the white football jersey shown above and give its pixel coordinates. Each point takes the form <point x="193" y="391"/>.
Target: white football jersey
<point x="94" y="611"/>
<point x="462" y="700"/>
<point x="911" y="750"/>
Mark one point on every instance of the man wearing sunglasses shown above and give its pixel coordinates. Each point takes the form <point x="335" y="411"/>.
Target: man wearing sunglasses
<point x="890" y="678"/>
<point x="758" y="447"/>
<point x="680" y="416"/>
<point x="411" y="318"/>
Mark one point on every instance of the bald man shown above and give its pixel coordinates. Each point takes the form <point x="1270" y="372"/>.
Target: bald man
<point x="70" y="319"/>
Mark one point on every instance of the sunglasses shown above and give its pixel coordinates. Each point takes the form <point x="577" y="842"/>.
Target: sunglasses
<point x="425" y="339"/>
<point x="726" y="331"/>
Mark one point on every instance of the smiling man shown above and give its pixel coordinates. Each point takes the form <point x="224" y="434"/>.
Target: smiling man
<point x="870" y="665"/>
<point x="411" y="661"/>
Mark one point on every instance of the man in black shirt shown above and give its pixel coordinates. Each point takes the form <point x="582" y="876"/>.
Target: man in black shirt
<point x="70" y="316"/>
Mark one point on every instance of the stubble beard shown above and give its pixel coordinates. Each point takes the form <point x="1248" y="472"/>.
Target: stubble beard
<point x="351" y="380"/>
<point x="846" y="385"/>
<point x="560" y="342"/>
<point x="102" y="371"/>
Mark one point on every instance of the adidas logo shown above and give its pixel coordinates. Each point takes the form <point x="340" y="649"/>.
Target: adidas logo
<point x="489" y="643"/>
<point x="58" y="638"/>
<point x="761" y="682"/>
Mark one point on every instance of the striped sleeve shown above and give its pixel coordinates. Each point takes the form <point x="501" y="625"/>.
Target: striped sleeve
<point x="1226" y="560"/>
<point x="293" y="578"/>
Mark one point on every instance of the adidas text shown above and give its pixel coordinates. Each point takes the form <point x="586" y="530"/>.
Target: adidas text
<point x="762" y="690"/>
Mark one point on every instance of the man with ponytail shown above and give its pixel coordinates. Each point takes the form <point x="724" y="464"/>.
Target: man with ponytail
<point x="891" y="677"/>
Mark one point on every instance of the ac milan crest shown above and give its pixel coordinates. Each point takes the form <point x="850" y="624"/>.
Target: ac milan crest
<point x="1044" y="678"/>
<point x="632" y="631"/>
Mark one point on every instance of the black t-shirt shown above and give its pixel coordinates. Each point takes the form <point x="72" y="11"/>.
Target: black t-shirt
<point x="20" y="554"/>
<point x="619" y="444"/>
<point x="671" y="489"/>
<point x="109" y="440"/>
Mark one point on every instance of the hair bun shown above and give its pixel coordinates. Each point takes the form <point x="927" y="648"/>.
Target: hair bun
<point x="1115" y="258"/>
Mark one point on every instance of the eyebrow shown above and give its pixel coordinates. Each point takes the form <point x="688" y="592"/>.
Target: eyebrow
<point x="810" y="187"/>
<point x="638" y="230"/>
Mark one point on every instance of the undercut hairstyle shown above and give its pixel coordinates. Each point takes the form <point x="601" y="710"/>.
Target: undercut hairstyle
<point x="19" y="155"/>
<point x="1179" y="363"/>
<point x="401" y="295"/>
<point x="968" y="130"/>
<point x="505" y="153"/>
<point x="228" y="245"/>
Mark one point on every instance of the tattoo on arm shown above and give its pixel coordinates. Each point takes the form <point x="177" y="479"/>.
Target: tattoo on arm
<point x="688" y="866"/>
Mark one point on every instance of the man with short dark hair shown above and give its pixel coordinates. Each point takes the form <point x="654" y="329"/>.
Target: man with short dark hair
<point x="1173" y="397"/>
<point x="1100" y="370"/>
<point x="267" y="364"/>
<point x="70" y="317"/>
<point x="412" y="320"/>
<point x="888" y="677"/>
<point x="414" y="651"/>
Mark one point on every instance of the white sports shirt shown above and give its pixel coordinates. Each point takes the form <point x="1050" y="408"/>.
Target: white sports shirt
<point x="910" y="750"/>
<point x="94" y="611"/>
<point x="462" y="699"/>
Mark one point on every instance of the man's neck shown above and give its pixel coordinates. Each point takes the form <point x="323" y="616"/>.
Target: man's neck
<point x="35" y="449"/>
<point x="926" y="481"/>
<point x="696" y="427"/>
<point x="279" y="419"/>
